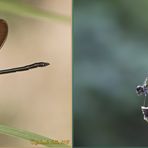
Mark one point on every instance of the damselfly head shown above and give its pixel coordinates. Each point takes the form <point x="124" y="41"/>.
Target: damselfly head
<point x="140" y="90"/>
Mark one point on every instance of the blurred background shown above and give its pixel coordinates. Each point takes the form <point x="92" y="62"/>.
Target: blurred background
<point x="110" y="60"/>
<point x="38" y="100"/>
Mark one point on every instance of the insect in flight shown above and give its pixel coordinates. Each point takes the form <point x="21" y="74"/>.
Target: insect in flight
<point x="143" y="89"/>
<point x="3" y="36"/>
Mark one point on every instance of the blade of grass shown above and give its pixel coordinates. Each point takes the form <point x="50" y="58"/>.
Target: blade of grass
<point x="22" y="9"/>
<point x="32" y="137"/>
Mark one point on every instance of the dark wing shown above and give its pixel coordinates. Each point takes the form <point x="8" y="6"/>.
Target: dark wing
<point x="3" y="31"/>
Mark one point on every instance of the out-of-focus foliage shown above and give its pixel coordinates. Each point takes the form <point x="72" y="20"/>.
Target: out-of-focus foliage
<point x="110" y="60"/>
<point x="18" y="7"/>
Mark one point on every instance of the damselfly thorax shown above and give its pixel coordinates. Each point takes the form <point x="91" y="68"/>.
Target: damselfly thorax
<point x="142" y="90"/>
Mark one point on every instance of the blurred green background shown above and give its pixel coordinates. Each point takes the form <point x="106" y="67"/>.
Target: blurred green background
<point x="110" y="59"/>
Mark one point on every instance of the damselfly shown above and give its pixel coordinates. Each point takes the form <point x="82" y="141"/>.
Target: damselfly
<point x="143" y="89"/>
<point x="3" y="36"/>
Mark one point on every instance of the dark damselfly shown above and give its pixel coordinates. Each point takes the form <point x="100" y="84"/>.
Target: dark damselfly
<point x="3" y="36"/>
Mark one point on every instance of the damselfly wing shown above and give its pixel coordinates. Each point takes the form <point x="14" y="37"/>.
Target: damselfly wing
<point x="3" y="32"/>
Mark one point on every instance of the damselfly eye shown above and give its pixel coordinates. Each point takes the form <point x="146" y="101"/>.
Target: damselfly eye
<point x="139" y="90"/>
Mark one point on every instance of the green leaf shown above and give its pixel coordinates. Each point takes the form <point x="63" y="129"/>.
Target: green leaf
<point x="23" y="9"/>
<point x="32" y="137"/>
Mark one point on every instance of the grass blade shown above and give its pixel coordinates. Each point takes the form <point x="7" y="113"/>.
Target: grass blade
<point x="32" y="137"/>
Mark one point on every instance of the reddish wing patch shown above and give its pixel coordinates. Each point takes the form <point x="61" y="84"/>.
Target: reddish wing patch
<point x="3" y="31"/>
